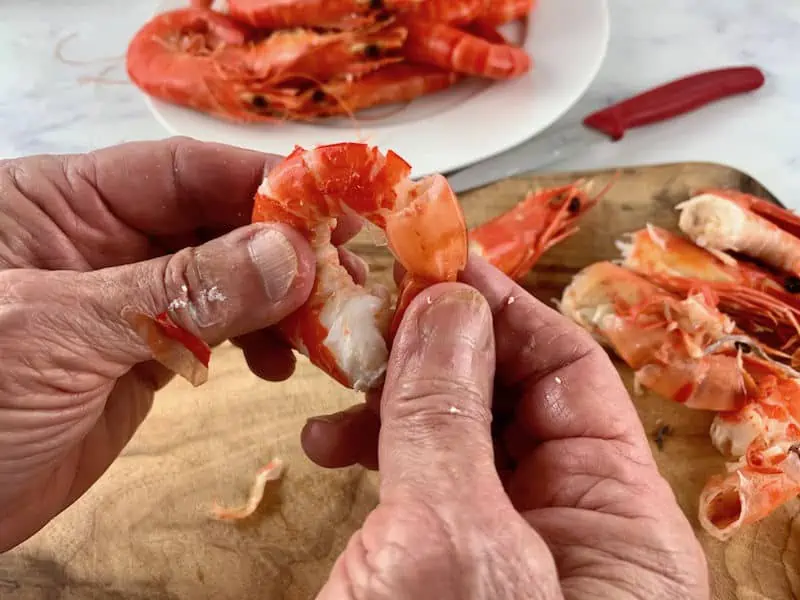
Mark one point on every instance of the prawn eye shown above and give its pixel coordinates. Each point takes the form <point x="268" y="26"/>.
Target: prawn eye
<point x="376" y="4"/>
<point x="792" y="284"/>
<point x="745" y="348"/>
<point x="574" y="205"/>
<point x="318" y="96"/>
<point x="372" y="51"/>
<point x="259" y="101"/>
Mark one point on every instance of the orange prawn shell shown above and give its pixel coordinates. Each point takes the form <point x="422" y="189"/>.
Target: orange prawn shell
<point x="630" y="314"/>
<point x="423" y="221"/>
<point x="428" y="238"/>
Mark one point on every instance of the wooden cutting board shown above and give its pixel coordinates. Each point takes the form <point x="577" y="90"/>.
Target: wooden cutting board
<point x="144" y="531"/>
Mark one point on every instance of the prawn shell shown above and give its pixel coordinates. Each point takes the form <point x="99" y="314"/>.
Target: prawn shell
<point x="175" y="348"/>
<point x="424" y="236"/>
<point x="342" y="328"/>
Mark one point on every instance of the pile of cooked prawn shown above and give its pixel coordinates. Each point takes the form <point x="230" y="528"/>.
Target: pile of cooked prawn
<point x="271" y="60"/>
<point x="711" y="319"/>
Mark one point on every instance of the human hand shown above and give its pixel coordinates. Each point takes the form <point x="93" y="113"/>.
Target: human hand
<point x="513" y="463"/>
<point x="82" y="239"/>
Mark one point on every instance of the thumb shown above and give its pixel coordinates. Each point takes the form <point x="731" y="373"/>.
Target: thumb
<point x="436" y="407"/>
<point x="246" y="280"/>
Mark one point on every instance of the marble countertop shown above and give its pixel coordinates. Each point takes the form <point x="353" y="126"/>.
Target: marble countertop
<point x="46" y="107"/>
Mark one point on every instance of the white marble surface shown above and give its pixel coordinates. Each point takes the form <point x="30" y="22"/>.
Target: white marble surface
<point x="45" y="109"/>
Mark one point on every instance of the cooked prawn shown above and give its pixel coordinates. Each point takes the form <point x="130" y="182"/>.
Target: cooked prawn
<point x="499" y="12"/>
<point x="461" y="12"/>
<point x="757" y="299"/>
<point x="717" y="221"/>
<point x="343" y="328"/>
<point x="211" y="63"/>
<point x="327" y="14"/>
<point x="682" y="348"/>
<point x="515" y="240"/>
<point x="454" y="49"/>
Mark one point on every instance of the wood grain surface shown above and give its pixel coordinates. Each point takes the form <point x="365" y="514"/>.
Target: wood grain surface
<point x="144" y="530"/>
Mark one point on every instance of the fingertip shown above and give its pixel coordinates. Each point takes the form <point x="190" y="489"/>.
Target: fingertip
<point x="342" y="439"/>
<point x="356" y="266"/>
<point x="267" y="356"/>
<point x="276" y="367"/>
<point x="485" y="277"/>
<point x="347" y="227"/>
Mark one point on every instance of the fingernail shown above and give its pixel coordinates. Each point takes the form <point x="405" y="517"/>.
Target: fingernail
<point x="276" y="260"/>
<point x="462" y="317"/>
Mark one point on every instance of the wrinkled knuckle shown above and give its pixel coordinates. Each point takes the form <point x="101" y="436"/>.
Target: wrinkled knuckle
<point x="12" y="173"/>
<point x="386" y="557"/>
<point x="13" y="309"/>
<point x="676" y="557"/>
<point x="625" y="468"/>
<point x="433" y="400"/>
<point x="192" y="301"/>
<point x="23" y="285"/>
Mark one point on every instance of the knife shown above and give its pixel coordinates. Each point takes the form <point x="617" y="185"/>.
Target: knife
<point x="655" y="105"/>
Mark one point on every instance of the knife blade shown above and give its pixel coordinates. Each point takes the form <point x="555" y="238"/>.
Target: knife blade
<point x="652" y="106"/>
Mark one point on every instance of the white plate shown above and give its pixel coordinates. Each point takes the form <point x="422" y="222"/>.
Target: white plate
<point x="447" y="130"/>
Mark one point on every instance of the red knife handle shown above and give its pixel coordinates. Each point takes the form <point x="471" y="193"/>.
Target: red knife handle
<point x="673" y="99"/>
